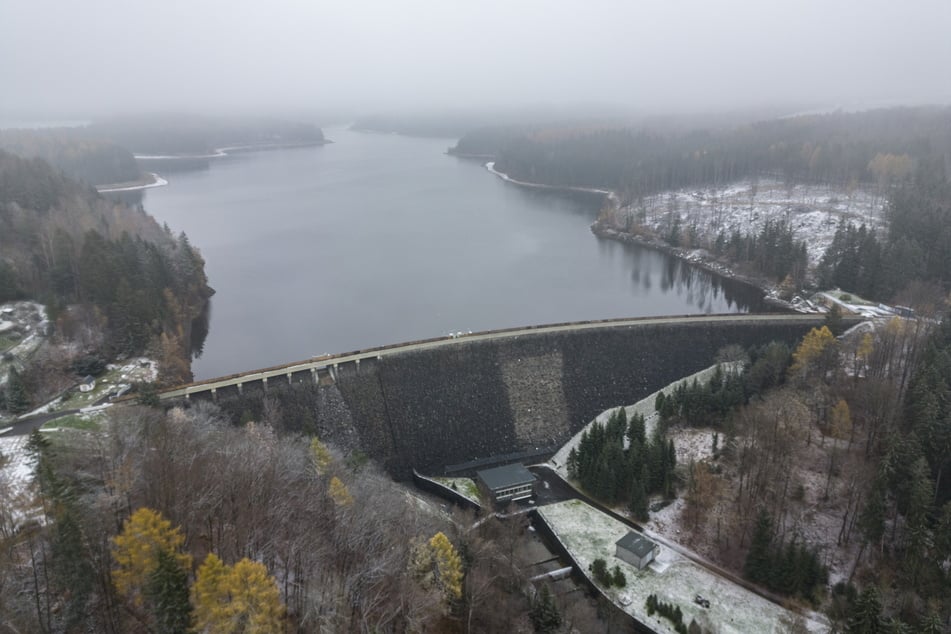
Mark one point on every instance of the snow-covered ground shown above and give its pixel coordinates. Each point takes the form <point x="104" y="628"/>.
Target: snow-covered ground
<point x="16" y="474"/>
<point x="157" y="181"/>
<point x="813" y="211"/>
<point x="589" y="534"/>
<point x="593" y="190"/>
<point x="23" y="327"/>
<point x="644" y="407"/>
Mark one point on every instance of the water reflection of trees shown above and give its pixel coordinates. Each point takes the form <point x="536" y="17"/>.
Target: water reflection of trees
<point x="199" y="330"/>
<point x="699" y="287"/>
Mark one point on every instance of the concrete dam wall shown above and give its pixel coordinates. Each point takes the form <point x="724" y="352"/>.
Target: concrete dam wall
<point x="453" y="407"/>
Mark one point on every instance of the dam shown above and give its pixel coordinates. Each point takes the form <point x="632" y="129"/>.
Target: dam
<point x="454" y="404"/>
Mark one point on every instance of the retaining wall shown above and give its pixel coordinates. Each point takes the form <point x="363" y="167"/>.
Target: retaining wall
<point x="428" y="409"/>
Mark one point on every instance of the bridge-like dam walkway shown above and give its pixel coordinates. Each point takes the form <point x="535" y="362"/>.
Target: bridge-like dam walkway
<point x="329" y="363"/>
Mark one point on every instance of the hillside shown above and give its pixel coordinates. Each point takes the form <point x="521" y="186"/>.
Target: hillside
<point x="176" y="135"/>
<point x="74" y="152"/>
<point x="113" y="280"/>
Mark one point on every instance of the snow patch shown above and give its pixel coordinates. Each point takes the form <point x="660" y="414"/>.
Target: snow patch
<point x="588" y="534"/>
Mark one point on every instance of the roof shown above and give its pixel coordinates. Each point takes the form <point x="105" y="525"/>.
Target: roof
<point x="636" y="543"/>
<point x="89" y="379"/>
<point x="508" y="476"/>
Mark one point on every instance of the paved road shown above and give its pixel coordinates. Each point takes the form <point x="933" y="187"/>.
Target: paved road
<point x="25" y="426"/>
<point x="331" y="360"/>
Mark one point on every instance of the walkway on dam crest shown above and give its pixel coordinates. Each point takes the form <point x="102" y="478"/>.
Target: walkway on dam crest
<point x="329" y="363"/>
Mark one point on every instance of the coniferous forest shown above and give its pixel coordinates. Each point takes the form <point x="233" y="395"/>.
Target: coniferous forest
<point x="100" y="267"/>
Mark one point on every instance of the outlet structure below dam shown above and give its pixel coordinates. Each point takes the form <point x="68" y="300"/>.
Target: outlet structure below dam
<point x="454" y="404"/>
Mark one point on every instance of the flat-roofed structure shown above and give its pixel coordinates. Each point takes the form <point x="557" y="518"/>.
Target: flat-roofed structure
<point x="636" y="549"/>
<point x="507" y="484"/>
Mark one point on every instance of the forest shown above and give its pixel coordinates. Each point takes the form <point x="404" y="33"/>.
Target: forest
<point x="114" y="282"/>
<point x="639" y="160"/>
<point x="80" y="157"/>
<point x="193" y="134"/>
<point x="830" y="463"/>
<point x="914" y="249"/>
<point x="179" y="518"/>
<point x="903" y="154"/>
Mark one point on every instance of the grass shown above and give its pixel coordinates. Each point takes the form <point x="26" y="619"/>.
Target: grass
<point x="74" y="421"/>
<point x="104" y="384"/>
<point x="464" y="486"/>
<point x="7" y="341"/>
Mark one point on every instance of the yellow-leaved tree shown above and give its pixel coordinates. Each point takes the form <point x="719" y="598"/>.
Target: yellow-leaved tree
<point x="339" y="492"/>
<point x="239" y="599"/>
<point x="321" y="456"/>
<point x="815" y="354"/>
<point x="447" y="565"/>
<point x="145" y="535"/>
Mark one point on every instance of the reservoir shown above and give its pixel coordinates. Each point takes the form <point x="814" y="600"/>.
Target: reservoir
<point x="376" y="239"/>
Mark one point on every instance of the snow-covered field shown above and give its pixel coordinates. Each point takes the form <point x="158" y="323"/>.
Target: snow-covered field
<point x="813" y="211"/>
<point x="589" y="534"/>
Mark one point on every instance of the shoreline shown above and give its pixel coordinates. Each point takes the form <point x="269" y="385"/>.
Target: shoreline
<point x="157" y="181"/>
<point x="692" y="257"/>
<point x="228" y="150"/>
<point x="607" y="193"/>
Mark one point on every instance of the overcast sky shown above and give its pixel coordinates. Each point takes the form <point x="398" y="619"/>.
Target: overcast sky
<point x="109" y="55"/>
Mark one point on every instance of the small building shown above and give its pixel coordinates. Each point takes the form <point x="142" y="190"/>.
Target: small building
<point x="507" y="484"/>
<point x="636" y="549"/>
<point x="88" y="384"/>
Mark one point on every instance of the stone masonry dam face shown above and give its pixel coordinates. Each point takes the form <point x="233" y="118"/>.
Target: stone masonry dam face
<point x="468" y="402"/>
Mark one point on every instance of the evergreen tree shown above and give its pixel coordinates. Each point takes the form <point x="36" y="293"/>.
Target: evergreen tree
<point x="166" y="593"/>
<point x="867" y="614"/>
<point x="872" y="518"/>
<point x="758" y="563"/>
<point x="544" y="613"/>
<point x="636" y="430"/>
<point x="72" y="572"/>
<point x="617" y="577"/>
<point x="17" y="398"/>
<point x="573" y="463"/>
<point x="918" y="531"/>
<point x="639" y="501"/>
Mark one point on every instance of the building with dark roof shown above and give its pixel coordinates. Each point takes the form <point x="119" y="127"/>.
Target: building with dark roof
<point x="636" y="549"/>
<point x="507" y="484"/>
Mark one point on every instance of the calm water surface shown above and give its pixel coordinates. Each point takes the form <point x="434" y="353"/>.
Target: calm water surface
<point x="377" y="239"/>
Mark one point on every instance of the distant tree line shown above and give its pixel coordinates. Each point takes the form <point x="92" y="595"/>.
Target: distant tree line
<point x="839" y="148"/>
<point x="614" y="474"/>
<point x="171" y="135"/>
<point x="72" y="151"/>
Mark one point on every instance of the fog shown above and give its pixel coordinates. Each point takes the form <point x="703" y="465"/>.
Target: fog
<point x="101" y="56"/>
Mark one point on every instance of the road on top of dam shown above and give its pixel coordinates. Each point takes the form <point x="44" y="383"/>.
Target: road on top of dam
<point x="326" y="361"/>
